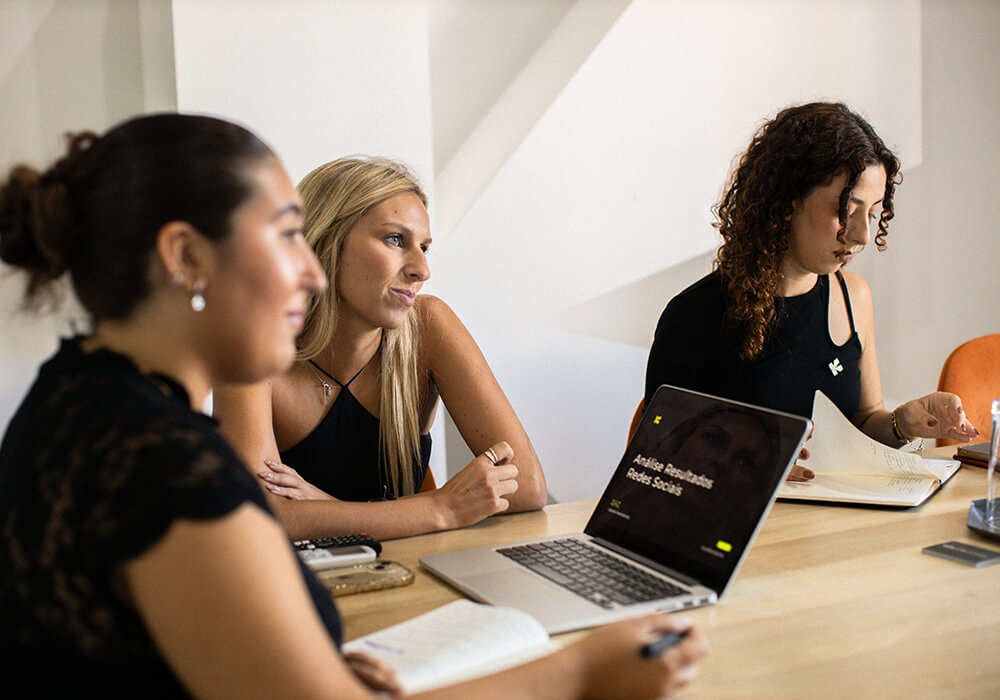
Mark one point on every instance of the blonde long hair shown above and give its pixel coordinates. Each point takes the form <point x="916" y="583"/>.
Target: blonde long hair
<point x="336" y="196"/>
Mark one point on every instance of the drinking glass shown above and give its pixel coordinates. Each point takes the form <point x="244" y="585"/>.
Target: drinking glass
<point x="991" y="516"/>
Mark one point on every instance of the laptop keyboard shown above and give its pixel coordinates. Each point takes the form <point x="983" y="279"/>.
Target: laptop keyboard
<point x="590" y="573"/>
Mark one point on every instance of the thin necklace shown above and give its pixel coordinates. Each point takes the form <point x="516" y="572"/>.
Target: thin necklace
<point x="327" y="388"/>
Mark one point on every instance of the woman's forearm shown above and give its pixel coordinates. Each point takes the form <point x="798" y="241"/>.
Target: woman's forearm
<point x="878" y="426"/>
<point x="383" y="520"/>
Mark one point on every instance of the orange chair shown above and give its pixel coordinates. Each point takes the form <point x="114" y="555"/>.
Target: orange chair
<point x="972" y="371"/>
<point x="428" y="484"/>
<point x="636" y="418"/>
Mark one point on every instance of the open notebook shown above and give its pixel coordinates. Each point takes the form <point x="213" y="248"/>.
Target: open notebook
<point x="850" y="467"/>
<point x="670" y="531"/>
<point x="458" y="641"/>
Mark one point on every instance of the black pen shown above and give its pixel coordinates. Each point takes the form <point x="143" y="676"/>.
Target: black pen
<point x="654" y="649"/>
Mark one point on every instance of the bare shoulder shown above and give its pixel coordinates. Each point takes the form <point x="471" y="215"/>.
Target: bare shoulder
<point x="235" y="397"/>
<point x="861" y="293"/>
<point x="437" y="321"/>
<point x="861" y="305"/>
<point x="444" y="340"/>
<point x="431" y="310"/>
<point x="287" y="388"/>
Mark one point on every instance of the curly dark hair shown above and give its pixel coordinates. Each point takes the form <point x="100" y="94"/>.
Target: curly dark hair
<point x="803" y="147"/>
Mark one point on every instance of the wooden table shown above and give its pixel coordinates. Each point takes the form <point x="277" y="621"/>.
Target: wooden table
<point x="831" y="601"/>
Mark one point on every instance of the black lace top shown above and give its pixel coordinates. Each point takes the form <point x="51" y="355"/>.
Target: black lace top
<point x="96" y="464"/>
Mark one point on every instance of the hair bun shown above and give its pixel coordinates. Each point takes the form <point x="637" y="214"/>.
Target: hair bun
<point x="37" y="230"/>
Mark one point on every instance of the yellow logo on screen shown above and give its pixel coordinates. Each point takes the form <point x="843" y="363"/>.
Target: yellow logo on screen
<point x="724" y="546"/>
<point x="656" y="421"/>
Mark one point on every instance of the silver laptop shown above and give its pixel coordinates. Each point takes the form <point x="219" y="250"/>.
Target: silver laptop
<point x="672" y="528"/>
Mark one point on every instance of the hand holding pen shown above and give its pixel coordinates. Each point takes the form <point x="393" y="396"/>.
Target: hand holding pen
<point x="644" y="657"/>
<point x="657" y="647"/>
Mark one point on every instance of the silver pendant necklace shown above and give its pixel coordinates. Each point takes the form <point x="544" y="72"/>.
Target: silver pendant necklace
<point x="327" y="387"/>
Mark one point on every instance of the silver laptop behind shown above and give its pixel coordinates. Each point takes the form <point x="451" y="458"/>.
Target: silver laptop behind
<point x="670" y="531"/>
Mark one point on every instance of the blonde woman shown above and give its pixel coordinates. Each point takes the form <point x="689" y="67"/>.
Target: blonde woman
<point x="341" y="440"/>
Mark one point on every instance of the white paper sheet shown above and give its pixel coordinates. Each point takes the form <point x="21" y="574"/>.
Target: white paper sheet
<point x="853" y="468"/>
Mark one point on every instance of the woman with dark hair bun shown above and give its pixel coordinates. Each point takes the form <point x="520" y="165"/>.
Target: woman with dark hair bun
<point x="139" y="556"/>
<point x="779" y="317"/>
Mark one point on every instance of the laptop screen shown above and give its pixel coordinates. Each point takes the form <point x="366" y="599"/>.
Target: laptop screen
<point x="696" y="481"/>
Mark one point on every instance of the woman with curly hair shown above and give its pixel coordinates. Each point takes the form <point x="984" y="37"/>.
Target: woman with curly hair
<point x="779" y="317"/>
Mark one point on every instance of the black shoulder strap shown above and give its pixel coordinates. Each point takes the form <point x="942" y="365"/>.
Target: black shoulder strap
<point x="328" y="375"/>
<point x="356" y="374"/>
<point x="334" y="380"/>
<point x="847" y="299"/>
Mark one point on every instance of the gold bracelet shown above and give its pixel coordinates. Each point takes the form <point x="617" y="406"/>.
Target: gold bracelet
<point x="895" y="427"/>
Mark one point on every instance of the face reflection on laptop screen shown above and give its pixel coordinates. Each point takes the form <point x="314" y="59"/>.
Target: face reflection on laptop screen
<point x="694" y="482"/>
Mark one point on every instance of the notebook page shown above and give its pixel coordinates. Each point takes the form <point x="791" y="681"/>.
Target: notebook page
<point x="856" y="488"/>
<point x="459" y="640"/>
<point x="837" y="446"/>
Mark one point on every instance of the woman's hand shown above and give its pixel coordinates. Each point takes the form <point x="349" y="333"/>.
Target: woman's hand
<point x="282" y="480"/>
<point x="615" y="668"/>
<point x="373" y="672"/>
<point x="800" y="472"/>
<point x="936" y="415"/>
<point x="480" y="490"/>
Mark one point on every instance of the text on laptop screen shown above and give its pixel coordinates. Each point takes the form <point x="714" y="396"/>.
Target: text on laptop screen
<point x="694" y="482"/>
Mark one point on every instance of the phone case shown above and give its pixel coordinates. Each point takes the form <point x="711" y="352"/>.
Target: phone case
<point x="369" y="576"/>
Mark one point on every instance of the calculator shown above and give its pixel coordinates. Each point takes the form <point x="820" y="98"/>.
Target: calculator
<point x="332" y="552"/>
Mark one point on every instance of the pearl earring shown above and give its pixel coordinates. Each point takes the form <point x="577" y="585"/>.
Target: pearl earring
<point x="197" y="297"/>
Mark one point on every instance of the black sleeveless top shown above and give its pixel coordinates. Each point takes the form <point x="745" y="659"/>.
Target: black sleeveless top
<point x="341" y="456"/>
<point x="694" y="349"/>
<point x="96" y="465"/>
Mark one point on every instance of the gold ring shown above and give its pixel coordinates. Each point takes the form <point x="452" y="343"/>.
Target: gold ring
<point x="492" y="456"/>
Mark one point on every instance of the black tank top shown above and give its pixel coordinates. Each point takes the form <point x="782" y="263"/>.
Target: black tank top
<point x="341" y="456"/>
<point x="692" y="348"/>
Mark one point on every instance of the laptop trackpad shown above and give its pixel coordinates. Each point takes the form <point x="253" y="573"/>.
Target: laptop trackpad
<point x="548" y="603"/>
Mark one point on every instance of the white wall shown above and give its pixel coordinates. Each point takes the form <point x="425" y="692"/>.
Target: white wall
<point x="477" y="49"/>
<point x="317" y="81"/>
<point x="67" y="66"/>
<point x="591" y="214"/>
<point x="937" y="284"/>
<point x="614" y="184"/>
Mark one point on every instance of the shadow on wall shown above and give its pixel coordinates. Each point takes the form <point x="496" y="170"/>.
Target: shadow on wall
<point x="629" y="314"/>
<point x="626" y="315"/>
<point x="51" y="76"/>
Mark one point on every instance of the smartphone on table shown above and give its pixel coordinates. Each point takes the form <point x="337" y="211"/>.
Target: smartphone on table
<point x="367" y="576"/>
